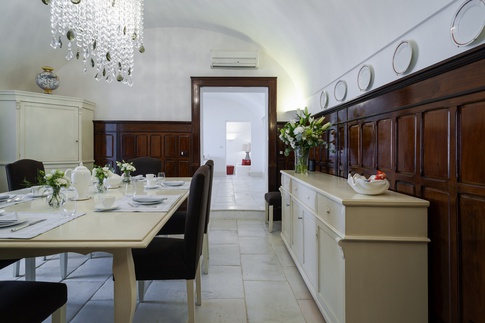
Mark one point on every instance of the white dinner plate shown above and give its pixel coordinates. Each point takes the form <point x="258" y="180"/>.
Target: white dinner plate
<point x="101" y="208"/>
<point x="150" y="187"/>
<point x="4" y="197"/>
<point x="173" y="183"/>
<point x="148" y="199"/>
<point x="20" y="221"/>
<point x="323" y="99"/>
<point x="364" y="78"/>
<point x="402" y="57"/>
<point x="340" y="90"/>
<point x="468" y="22"/>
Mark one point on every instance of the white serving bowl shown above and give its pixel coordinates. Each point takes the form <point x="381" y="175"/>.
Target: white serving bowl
<point x="362" y="185"/>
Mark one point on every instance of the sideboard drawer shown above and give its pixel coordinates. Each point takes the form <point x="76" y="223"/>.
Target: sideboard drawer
<point x="305" y="194"/>
<point x="286" y="182"/>
<point x="331" y="212"/>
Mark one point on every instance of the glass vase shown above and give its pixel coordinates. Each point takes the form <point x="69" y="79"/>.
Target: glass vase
<point x="56" y="199"/>
<point x="301" y="160"/>
<point x="126" y="177"/>
<point x="101" y="186"/>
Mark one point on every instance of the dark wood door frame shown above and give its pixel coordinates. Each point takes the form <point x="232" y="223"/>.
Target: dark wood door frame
<point x="267" y="82"/>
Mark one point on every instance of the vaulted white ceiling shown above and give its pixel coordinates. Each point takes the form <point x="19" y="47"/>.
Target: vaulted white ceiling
<point x="296" y="34"/>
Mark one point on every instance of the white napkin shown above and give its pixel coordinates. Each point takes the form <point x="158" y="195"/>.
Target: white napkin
<point x="8" y="217"/>
<point x="4" y="196"/>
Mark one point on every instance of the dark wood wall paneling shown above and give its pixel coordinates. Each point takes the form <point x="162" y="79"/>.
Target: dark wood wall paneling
<point x="427" y="133"/>
<point x="171" y="142"/>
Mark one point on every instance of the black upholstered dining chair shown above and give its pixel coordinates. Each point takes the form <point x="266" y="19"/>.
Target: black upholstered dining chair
<point x="168" y="258"/>
<point x="18" y="173"/>
<point x="27" y="302"/>
<point x="146" y="165"/>
<point x="176" y="224"/>
<point x="22" y="170"/>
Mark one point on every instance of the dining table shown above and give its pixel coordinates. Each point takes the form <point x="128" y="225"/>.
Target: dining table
<point x="117" y="229"/>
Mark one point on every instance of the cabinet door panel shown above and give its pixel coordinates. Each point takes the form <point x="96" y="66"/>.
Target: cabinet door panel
<point x="310" y="258"/>
<point x="51" y="133"/>
<point x="286" y="216"/>
<point x="331" y="273"/>
<point x="297" y="226"/>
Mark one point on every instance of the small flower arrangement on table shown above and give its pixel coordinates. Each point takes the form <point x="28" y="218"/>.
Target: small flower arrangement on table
<point x="302" y="134"/>
<point x="101" y="174"/>
<point x="55" y="180"/>
<point x="126" y="168"/>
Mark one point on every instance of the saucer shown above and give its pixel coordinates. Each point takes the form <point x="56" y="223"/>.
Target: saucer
<point x="151" y="187"/>
<point x="173" y="183"/>
<point x="101" y="208"/>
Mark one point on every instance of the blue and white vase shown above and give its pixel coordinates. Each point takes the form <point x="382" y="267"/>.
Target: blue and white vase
<point x="47" y="80"/>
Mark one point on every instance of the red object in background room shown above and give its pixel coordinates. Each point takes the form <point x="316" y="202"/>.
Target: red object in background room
<point x="246" y="148"/>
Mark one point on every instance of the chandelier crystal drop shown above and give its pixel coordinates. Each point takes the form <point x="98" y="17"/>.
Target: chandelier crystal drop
<point x="104" y="34"/>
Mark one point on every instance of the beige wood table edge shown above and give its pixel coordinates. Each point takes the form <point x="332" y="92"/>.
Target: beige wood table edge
<point x="113" y="232"/>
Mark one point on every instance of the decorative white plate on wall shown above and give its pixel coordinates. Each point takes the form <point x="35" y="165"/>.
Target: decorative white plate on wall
<point x="364" y="79"/>
<point x="323" y="99"/>
<point x="340" y="90"/>
<point x="402" y="58"/>
<point x="468" y="22"/>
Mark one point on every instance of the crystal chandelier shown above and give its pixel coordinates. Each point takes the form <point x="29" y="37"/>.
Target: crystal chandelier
<point x="102" y="33"/>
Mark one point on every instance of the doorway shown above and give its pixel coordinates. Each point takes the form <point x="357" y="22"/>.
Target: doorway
<point x="267" y="82"/>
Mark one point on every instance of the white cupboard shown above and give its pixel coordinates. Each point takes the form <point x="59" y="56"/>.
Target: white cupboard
<point x="363" y="258"/>
<point x="56" y="130"/>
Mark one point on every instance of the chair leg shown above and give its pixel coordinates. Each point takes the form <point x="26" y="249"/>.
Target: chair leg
<point x="63" y="264"/>
<point x="141" y="291"/>
<point x="16" y="269"/>
<point x="190" y="300"/>
<point x="198" y="286"/>
<point x="205" y="253"/>
<point x="30" y="269"/>
<point x="59" y="316"/>
<point x="270" y="226"/>
<point x="266" y="212"/>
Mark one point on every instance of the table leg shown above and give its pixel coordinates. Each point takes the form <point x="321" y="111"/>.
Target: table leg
<point x="124" y="286"/>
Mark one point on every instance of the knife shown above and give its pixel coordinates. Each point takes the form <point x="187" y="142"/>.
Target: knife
<point x="27" y="225"/>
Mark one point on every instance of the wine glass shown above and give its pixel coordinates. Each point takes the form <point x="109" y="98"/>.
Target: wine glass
<point x="161" y="177"/>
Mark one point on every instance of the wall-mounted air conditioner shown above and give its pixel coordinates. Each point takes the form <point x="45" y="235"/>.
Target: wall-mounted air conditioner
<point x="234" y="59"/>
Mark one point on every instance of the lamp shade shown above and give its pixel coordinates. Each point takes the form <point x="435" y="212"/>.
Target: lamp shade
<point x="246" y="147"/>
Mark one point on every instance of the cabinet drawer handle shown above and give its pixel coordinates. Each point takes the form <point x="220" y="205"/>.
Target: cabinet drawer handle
<point x="300" y="217"/>
<point x="327" y="209"/>
<point x="287" y="204"/>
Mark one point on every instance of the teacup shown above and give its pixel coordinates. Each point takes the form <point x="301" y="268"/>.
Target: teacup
<point x="104" y="201"/>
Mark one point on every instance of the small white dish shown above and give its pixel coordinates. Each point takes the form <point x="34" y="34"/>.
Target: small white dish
<point x="150" y="187"/>
<point x="83" y="198"/>
<point x="148" y="199"/>
<point x="173" y="183"/>
<point x="113" y="187"/>
<point x="101" y="208"/>
<point x="9" y="224"/>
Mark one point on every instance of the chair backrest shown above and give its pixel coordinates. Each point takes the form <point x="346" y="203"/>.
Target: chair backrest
<point x="146" y="165"/>
<point x="196" y="216"/>
<point x="210" y="164"/>
<point x="22" y="170"/>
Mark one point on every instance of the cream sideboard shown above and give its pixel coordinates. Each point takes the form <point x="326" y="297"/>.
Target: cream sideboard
<point x="363" y="258"/>
<point x="56" y="130"/>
